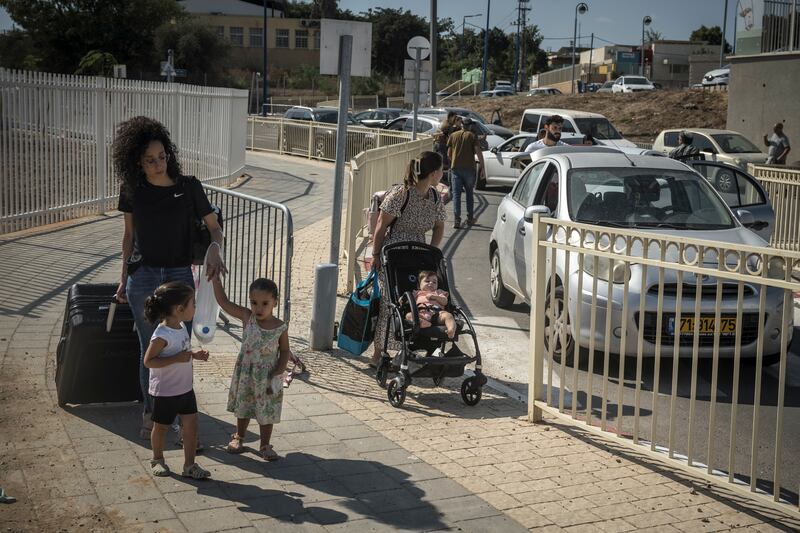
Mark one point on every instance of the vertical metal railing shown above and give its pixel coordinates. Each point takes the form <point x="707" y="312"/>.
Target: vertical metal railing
<point x="259" y="242"/>
<point x="783" y="189"/>
<point x="56" y="133"/>
<point x="708" y="308"/>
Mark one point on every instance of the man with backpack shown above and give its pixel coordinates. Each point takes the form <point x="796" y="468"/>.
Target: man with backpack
<point x="462" y="148"/>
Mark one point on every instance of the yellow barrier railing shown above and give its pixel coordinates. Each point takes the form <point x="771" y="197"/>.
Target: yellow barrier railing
<point x="783" y="189"/>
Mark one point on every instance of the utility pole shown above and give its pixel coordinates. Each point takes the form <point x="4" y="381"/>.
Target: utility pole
<point x="523" y="60"/>
<point x="591" y="49"/>
<point x="486" y="45"/>
<point x="265" y="71"/>
<point x="434" y="38"/>
<point x="517" y="47"/>
<point x="724" y="30"/>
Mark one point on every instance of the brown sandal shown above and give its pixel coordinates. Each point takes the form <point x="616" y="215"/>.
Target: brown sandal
<point x="235" y="445"/>
<point x="268" y="453"/>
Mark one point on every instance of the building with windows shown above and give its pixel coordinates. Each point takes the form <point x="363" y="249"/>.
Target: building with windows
<point x="765" y="71"/>
<point x="290" y="42"/>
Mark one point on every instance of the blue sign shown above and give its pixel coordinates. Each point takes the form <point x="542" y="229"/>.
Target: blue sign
<point x="627" y="57"/>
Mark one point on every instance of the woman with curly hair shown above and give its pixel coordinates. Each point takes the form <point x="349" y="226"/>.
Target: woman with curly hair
<point x="160" y="205"/>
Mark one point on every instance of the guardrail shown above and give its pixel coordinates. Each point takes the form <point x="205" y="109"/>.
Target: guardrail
<point x="315" y="140"/>
<point x="681" y="299"/>
<point x="56" y="133"/>
<point x="372" y="171"/>
<point x="259" y="242"/>
<point x="783" y="188"/>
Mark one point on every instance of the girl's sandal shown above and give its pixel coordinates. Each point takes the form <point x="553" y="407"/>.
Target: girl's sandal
<point x="235" y="445"/>
<point x="268" y="453"/>
<point x="287" y="379"/>
<point x="195" y="471"/>
<point x="302" y="369"/>
<point x="159" y="468"/>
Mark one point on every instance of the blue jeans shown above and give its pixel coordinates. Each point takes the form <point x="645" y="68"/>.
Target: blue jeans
<point x="463" y="178"/>
<point x="142" y="284"/>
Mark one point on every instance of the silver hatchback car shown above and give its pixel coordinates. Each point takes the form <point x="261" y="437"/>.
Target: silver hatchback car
<point x="678" y="202"/>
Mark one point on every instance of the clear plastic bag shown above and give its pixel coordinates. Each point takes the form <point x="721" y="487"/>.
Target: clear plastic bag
<point x="204" y="324"/>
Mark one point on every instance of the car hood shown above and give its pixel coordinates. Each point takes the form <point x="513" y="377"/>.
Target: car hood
<point x="718" y="72"/>
<point x="638" y="86"/>
<point x="500" y="130"/>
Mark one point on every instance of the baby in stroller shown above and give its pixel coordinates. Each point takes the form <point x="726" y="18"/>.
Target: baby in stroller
<point x="431" y="302"/>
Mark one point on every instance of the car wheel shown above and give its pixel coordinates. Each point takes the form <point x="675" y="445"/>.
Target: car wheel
<point x="558" y="325"/>
<point x="725" y="182"/>
<point x="501" y="297"/>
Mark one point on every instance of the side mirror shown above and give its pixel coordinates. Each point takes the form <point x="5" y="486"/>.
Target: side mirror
<point x="745" y="217"/>
<point x="494" y="149"/>
<point x="535" y="210"/>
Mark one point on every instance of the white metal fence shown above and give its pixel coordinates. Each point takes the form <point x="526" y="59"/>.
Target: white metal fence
<point x="783" y="188"/>
<point x="56" y="133"/>
<point x="315" y="140"/>
<point x="705" y="307"/>
<point x="372" y="171"/>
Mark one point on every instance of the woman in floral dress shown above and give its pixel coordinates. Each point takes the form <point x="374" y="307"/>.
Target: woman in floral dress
<point x="421" y="214"/>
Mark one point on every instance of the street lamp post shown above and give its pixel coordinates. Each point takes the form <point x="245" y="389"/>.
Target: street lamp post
<point x="486" y="45"/>
<point x="646" y="20"/>
<point x="265" y="101"/>
<point x="464" y="23"/>
<point x="579" y="9"/>
<point x="724" y="30"/>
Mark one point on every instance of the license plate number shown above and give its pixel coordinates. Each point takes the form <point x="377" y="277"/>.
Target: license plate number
<point x="706" y="326"/>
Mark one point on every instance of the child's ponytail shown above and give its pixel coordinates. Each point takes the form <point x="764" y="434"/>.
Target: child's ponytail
<point x="166" y="297"/>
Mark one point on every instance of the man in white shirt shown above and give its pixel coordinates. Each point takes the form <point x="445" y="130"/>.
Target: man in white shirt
<point x="552" y="137"/>
<point x="778" y="144"/>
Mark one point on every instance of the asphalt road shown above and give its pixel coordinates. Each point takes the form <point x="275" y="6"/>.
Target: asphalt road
<point x="503" y="336"/>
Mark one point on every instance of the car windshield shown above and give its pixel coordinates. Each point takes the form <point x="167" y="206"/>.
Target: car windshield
<point x="636" y="81"/>
<point x="645" y="198"/>
<point x="332" y="117"/>
<point x="733" y="143"/>
<point x="599" y="128"/>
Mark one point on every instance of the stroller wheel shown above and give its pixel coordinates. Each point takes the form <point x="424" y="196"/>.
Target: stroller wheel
<point x="382" y="372"/>
<point x="471" y="391"/>
<point x="396" y="393"/>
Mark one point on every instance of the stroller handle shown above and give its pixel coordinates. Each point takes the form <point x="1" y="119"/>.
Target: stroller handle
<point x="407" y="245"/>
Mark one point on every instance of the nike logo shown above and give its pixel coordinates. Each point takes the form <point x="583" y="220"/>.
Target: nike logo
<point x="176" y="195"/>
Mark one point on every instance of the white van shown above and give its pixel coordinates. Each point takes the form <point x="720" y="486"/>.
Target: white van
<point x="577" y="122"/>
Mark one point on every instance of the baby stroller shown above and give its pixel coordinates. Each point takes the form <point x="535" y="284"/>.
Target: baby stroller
<point x="423" y="352"/>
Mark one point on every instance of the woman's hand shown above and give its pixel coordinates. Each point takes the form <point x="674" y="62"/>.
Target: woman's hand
<point x="376" y="262"/>
<point x="215" y="266"/>
<point x="121" y="295"/>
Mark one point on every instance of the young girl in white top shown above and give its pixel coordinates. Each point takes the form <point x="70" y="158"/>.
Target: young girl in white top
<point x="169" y="358"/>
<point x="257" y="382"/>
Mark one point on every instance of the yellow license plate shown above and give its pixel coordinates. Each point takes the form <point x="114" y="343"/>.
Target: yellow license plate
<point x="707" y="325"/>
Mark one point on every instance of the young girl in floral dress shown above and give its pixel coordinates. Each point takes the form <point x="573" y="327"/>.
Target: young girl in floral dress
<point x="257" y="384"/>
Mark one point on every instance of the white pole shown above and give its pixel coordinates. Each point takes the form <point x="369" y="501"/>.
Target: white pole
<point x="345" y="59"/>
<point x="417" y="52"/>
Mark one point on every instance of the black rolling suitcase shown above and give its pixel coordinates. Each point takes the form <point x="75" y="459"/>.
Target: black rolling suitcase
<point x="93" y="365"/>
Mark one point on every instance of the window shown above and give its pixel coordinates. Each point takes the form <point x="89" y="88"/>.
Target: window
<point x="221" y="32"/>
<point x="237" y="35"/>
<point x="749" y="193"/>
<point x="397" y="125"/>
<point x="733" y="143"/>
<point x="316" y="40"/>
<point x="678" y="69"/>
<point x="671" y="138"/>
<point x="515" y="144"/>
<point x="530" y="123"/>
<point x="522" y="194"/>
<point x="256" y="38"/>
<point x="301" y="38"/>
<point x="547" y="193"/>
<point x="735" y="187"/>
<point x="702" y="143"/>
<point x="282" y="38"/>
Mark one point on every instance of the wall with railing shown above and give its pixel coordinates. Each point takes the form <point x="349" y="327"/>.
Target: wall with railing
<point x="56" y="133"/>
<point x="683" y="311"/>
<point x="783" y="188"/>
<point x="315" y="140"/>
<point x="370" y="172"/>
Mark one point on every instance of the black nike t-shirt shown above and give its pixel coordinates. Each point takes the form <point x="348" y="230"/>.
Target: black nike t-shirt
<point x="162" y="218"/>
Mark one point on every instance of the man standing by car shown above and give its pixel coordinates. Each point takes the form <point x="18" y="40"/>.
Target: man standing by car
<point x="552" y="134"/>
<point x="778" y="144"/>
<point x="462" y="147"/>
<point x="685" y="150"/>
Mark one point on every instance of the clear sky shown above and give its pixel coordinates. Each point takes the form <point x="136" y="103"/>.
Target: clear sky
<point x="614" y="20"/>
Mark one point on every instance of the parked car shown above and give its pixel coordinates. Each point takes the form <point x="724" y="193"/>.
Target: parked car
<point x="720" y="76"/>
<point x="324" y="119"/>
<point x="607" y="87"/>
<point x="431" y="123"/>
<point x="595" y="185"/>
<point x="378" y="117"/>
<point x="496" y="93"/>
<point x="593" y="87"/>
<point x="632" y="84"/>
<point x="500" y="131"/>
<point x="718" y="145"/>
<point x="544" y="91"/>
<point x="577" y="122"/>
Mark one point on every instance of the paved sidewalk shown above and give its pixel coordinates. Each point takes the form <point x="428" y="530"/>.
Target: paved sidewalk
<point x="351" y="461"/>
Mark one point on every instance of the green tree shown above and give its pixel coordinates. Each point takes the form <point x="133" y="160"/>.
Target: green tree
<point x="651" y="35"/>
<point x="63" y="32"/>
<point x="391" y="30"/>
<point x="17" y="51"/>
<point x="97" y="63"/>
<point x="712" y="35"/>
<point x="197" y="49"/>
